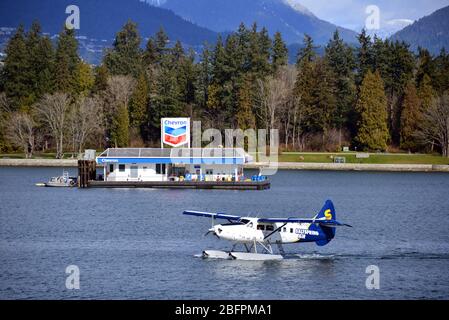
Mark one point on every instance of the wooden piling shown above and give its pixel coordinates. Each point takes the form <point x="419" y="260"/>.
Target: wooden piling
<point x="87" y="171"/>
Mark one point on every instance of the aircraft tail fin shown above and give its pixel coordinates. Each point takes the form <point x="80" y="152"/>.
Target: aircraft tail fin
<point x="327" y="213"/>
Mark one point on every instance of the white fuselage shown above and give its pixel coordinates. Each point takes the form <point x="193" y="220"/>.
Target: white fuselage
<point x="254" y="231"/>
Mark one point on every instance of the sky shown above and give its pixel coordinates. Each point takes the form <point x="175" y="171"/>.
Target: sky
<point x="393" y="13"/>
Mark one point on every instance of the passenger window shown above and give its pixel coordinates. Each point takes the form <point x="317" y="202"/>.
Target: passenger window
<point x="269" y="228"/>
<point x="284" y="229"/>
<point x="260" y="227"/>
<point x="291" y="230"/>
<point x="121" y="168"/>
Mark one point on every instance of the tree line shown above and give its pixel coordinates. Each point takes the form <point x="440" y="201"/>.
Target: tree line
<point x="376" y="96"/>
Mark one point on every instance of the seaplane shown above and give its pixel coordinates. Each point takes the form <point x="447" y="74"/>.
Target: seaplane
<point x="258" y="235"/>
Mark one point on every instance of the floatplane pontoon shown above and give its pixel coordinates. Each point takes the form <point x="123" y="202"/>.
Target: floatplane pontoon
<point x="258" y="235"/>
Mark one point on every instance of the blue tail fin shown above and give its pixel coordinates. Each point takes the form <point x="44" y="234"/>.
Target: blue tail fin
<point x="328" y="213"/>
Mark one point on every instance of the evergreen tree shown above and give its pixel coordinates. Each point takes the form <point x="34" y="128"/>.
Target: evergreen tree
<point x="219" y="72"/>
<point x="364" y="56"/>
<point x="441" y="76"/>
<point x="245" y="118"/>
<point x="426" y="66"/>
<point x="245" y="39"/>
<point x="165" y="95"/>
<point x="341" y="61"/>
<point x="382" y="59"/>
<point x="67" y="61"/>
<point x="125" y="58"/>
<point x="156" y="48"/>
<point x="401" y="67"/>
<point x="262" y="52"/>
<point x="315" y="91"/>
<point x="426" y="93"/>
<point x="40" y="63"/>
<point x="400" y="72"/>
<point x="161" y="42"/>
<point x="372" y="109"/>
<point x="101" y="79"/>
<point x="305" y="83"/>
<point x="119" y="132"/>
<point x="188" y="72"/>
<point x="307" y="53"/>
<point x="85" y="79"/>
<point x="410" y="118"/>
<point x="280" y="52"/>
<point x="15" y="70"/>
<point x="323" y="94"/>
<point x="204" y="78"/>
<point x="139" y="103"/>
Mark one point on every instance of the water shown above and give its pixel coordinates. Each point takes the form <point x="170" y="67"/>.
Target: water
<point x="136" y="244"/>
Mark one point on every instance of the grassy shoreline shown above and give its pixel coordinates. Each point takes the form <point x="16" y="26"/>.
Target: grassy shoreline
<point x="305" y="157"/>
<point x="374" y="158"/>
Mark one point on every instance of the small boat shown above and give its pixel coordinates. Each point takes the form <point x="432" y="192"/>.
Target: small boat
<point x="62" y="181"/>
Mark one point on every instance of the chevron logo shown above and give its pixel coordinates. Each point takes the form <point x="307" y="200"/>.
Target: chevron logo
<point x="175" y="131"/>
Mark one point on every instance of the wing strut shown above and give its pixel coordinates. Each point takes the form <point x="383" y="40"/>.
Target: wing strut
<point x="277" y="230"/>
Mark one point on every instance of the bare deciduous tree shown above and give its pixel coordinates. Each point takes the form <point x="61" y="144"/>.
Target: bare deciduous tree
<point x="119" y="91"/>
<point x="53" y="110"/>
<point x="117" y="94"/>
<point x="275" y="96"/>
<point x="85" y="120"/>
<point x="435" y="125"/>
<point x="20" y="132"/>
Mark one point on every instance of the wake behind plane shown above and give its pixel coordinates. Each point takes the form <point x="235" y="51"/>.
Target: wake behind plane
<point x="257" y="235"/>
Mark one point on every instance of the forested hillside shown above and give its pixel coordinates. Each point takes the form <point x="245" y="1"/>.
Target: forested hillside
<point x="378" y="96"/>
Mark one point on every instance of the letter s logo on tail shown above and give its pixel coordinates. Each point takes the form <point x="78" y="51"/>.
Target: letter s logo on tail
<point x="328" y="214"/>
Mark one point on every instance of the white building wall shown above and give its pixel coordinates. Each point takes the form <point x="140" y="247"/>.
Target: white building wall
<point x="145" y="172"/>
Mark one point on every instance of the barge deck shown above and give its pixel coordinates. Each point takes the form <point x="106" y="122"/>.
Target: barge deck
<point x="240" y="185"/>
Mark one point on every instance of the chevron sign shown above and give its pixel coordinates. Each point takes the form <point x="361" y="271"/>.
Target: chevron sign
<point x="175" y="131"/>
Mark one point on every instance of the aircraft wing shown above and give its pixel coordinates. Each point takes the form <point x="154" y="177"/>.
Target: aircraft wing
<point x="213" y="215"/>
<point x="329" y="223"/>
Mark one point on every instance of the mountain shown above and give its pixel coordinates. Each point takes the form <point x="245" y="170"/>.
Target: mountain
<point x="430" y="32"/>
<point x="101" y="19"/>
<point x="287" y="16"/>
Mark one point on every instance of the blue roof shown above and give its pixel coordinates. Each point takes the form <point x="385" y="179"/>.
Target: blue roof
<point x="173" y="156"/>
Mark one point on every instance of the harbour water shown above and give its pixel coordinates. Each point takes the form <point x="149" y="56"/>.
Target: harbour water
<point x="136" y="244"/>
